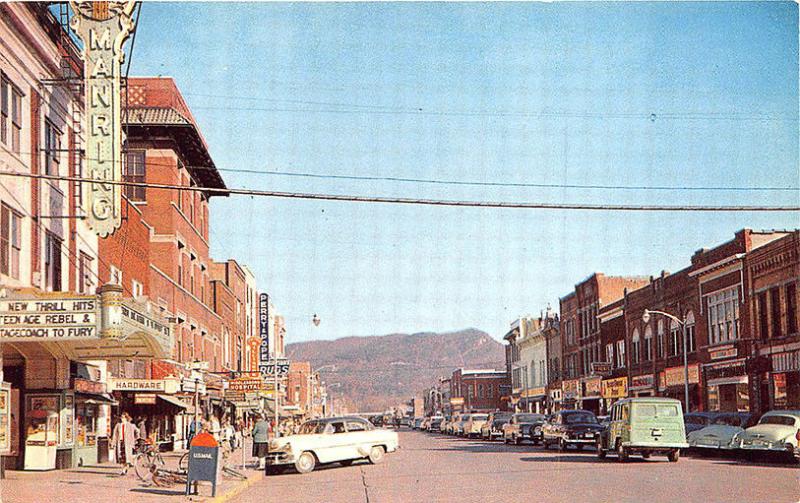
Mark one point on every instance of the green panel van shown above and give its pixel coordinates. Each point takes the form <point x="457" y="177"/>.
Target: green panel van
<point x="645" y="425"/>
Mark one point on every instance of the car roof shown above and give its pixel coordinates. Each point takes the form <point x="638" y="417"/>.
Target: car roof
<point x="782" y="412"/>
<point x="326" y="420"/>
<point x="653" y="399"/>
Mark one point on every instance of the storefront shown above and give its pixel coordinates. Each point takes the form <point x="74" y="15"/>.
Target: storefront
<point x="785" y="381"/>
<point x="727" y="386"/>
<point x="612" y="390"/>
<point x="671" y="384"/>
<point x="54" y="347"/>
<point x="642" y="385"/>
<point x="590" y="397"/>
<point x="533" y="400"/>
<point x="555" y="400"/>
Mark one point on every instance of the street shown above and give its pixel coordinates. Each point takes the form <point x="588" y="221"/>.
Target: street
<point x="431" y="467"/>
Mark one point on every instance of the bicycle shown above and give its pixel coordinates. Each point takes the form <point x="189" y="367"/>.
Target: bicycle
<point x="227" y="465"/>
<point x="147" y="456"/>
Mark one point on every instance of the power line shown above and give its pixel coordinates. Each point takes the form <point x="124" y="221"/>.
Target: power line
<point x="426" y="202"/>
<point x="475" y="183"/>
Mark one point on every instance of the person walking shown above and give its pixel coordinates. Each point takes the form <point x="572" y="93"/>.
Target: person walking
<point x="260" y="434"/>
<point x="124" y="440"/>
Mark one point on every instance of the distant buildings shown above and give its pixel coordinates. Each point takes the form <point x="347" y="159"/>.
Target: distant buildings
<point x="478" y="390"/>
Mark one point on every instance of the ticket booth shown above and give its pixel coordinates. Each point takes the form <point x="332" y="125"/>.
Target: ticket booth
<point x="41" y="439"/>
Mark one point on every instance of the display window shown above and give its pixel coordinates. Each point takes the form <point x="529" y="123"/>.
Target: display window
<point x="86" y="424"/>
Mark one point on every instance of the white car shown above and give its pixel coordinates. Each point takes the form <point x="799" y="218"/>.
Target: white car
<point x="331" y="440"/>
<point x="778" y="431"/>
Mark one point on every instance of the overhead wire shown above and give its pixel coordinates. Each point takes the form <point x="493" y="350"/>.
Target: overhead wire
<point x="427" y="202"/>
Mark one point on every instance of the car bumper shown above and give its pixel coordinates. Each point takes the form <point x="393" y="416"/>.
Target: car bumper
<point x="280" y="458"/>
<point x="654" y="446"/>
<point x="769" y="447"/>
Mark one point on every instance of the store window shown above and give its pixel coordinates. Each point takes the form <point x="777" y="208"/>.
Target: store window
<point x="52" y="262"/>
<point x="86" y="424"/>
<point x="723" y="316"/>
<point x="135" y="172"/>
<point x="10" y="241"/>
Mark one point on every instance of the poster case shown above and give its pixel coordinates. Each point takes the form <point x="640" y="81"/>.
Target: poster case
<point x="41" y="430"/>
<point x="5" y="418"/>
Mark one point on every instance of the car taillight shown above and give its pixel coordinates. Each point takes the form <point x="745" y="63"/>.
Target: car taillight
<point x="797" y="435"/>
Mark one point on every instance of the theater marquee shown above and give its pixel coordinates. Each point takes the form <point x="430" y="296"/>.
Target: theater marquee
<point x="103" y="27"/>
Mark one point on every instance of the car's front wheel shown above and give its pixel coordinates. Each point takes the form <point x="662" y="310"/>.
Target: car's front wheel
<point x="599" y="447"/>
<point x="674" y="455"/>
<point x="347" y="462"/>
<point x="305" y="463"/>
<point x="376" y="454"/>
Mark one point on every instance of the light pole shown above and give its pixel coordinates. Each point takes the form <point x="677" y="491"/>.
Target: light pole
<point x="682" y="323"/>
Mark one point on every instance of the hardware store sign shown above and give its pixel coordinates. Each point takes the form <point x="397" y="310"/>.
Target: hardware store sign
<point x="46" y="319"/>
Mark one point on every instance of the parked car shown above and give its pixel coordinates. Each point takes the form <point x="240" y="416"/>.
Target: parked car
<point x="493" y="427"/>
<point x="645" y="425"/>
<point x="778" y="431"/>
<point x="458" y="427"/>
<point x="435" y="424"/>
<point x="571" y="427"/>
<point x="524" y="426"/>
<point x="424" y="424"/>
<point x="720" y="433"/>
<point x="473" y="425"/>
<point x="694" y="421"/>
<point x="418" y="422"/>
<point x="329" y="440"/>
<point x="405" y="421"/>
<point x="451" y="426"/>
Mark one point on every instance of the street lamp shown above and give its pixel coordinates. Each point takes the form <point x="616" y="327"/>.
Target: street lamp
<point x="646" y="319"/>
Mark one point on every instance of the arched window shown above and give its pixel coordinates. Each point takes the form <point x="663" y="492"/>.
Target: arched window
<point x="635" y="346"/>
<point x="691" y="342"/>
<point x="660" y="339"/>
<point x="674" y="338"/>
<point x="648" y="343"/>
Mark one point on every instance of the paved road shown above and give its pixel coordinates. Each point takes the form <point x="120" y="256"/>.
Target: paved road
<point x="444" y="469"/>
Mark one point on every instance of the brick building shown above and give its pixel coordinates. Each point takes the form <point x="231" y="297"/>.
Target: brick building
<point x="164" y="145"/>
<point x="478" y="390"/>
<point x="229" y="281"/>
<point x="298" y="386"/>
<point x="581" y="341"/>
<point x="773" y="279"/>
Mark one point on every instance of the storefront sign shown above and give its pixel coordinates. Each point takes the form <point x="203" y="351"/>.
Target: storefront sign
<point x="103" y="27"/>
<point x="591" y="387"/>
<point x="533" y="392"/>
<point x="146" y="322"/>
<point x="253" y="345"/>
<point x="456" y="401"/>
<point x="87" y="386"/>
<point x="642" y="382"/>
<point x="137" y="385"/>
<point x="68" y="419"/>
<point x="673" y="376"/>
<point x="246" y="384"/>
<point x="571" y="389"/>
<point x="614" y="388"/>
<point x="59" y="319"/>
<point x="601" y="368"/>
<point x="279" y="366"/>
<point x="263" y="333"/>
<point x="144" y="398"/>
<point x="718" y="354"/>
<point x="725" y="370"/>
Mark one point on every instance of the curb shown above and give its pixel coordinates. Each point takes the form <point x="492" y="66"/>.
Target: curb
<point x="238" y="488"/>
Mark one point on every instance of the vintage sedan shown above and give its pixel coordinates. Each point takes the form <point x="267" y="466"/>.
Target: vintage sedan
<point x="571" y="427"/>
<point x="331" y="440"/>
<point x="778" y="431"/>
<point x="435" y="424"/>
<point x="720" y="433"/>
<point x="493" y="427"/>
<point x="523" y="426"/>
<point x="694" y="421"/>
<point x="473" y="425"/>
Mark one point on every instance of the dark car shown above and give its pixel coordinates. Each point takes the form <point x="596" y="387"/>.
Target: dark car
<point x="524" y="426"/>
<point x="493" y="428"/>
<point x="435" y="424"/>
<point x="571" y="427"/>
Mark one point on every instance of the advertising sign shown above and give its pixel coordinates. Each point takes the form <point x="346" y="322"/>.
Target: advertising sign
<point x="117" y="384"/>
<point x="5" y="419"/>
<point x="61" y="319"/>
<point x="103" y="28"/>
<point x="779" y="389"/>
<point x="263" y="333"/>
<point x="614" y="388"/>
<point x="591" y="387"/>
<point x="246" y="384"/>
<point x="571" y="389"/>
<point x="643" y="381"/>
<point x="601" y="368"/>
<point x="144" y="398"/>
<point x="281" y="366"/>
<point x="673" y="376"/>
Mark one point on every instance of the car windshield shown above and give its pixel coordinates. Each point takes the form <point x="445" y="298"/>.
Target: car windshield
<point x="580" y="417"/>
<point x="782" y="420"/>
<point x="502" y="417"/>
<point x="465" y="417"/>
<point x="529" y="418"/>
<point x="480" y="417"/>
<point x="312" y="427"/>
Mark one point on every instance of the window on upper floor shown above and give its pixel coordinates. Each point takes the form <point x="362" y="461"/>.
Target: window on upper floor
<point x="52" y="148"/>
<point x="621" y="354"/>
<point x="10" y="114"/>
<point x="610" y="353"/>
<point x="10" y="241"/>
<point x="660" y="339"/>
<point x="775" y="303"/>
<point x="648" y="343"/>
<point x="791" y="308"/>
<point x="52" y="262"/>
<point x="5" y="91"/>
<point x="691" y="342"/>
<point x="763" y="316"/>
<point x="115" y="276"/>
<point x="674" y="338"/>
<point x="635" y="347"/>
<point x="85" y="282"/>
<point x="723" y="315"/>
<point x="137" y="289"/>
<point x="135" y="172"/>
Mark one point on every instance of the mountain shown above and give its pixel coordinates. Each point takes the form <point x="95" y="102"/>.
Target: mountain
<point x="377" y="372"/>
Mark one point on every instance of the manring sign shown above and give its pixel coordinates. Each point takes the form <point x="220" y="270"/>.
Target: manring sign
<point x="103" y="27"/>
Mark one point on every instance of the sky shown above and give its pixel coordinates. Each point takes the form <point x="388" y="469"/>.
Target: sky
<point x="622" y="94"/>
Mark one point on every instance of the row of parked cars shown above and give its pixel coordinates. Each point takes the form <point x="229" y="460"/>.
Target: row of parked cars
<point x="642" y="426"/>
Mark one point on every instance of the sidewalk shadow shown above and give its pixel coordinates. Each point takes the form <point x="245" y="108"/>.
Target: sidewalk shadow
<point x="577" y="458"/>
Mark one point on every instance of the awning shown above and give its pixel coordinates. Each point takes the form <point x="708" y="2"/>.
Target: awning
<point x="96" y="399"/>
<point x="177" y="402"/>
<point x="727" y="380"/>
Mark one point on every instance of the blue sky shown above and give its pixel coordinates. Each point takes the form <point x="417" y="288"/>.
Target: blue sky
<point x="662" y="94"/>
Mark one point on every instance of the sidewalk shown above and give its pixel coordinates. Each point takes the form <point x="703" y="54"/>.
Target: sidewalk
<point x="103" y="483"/>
